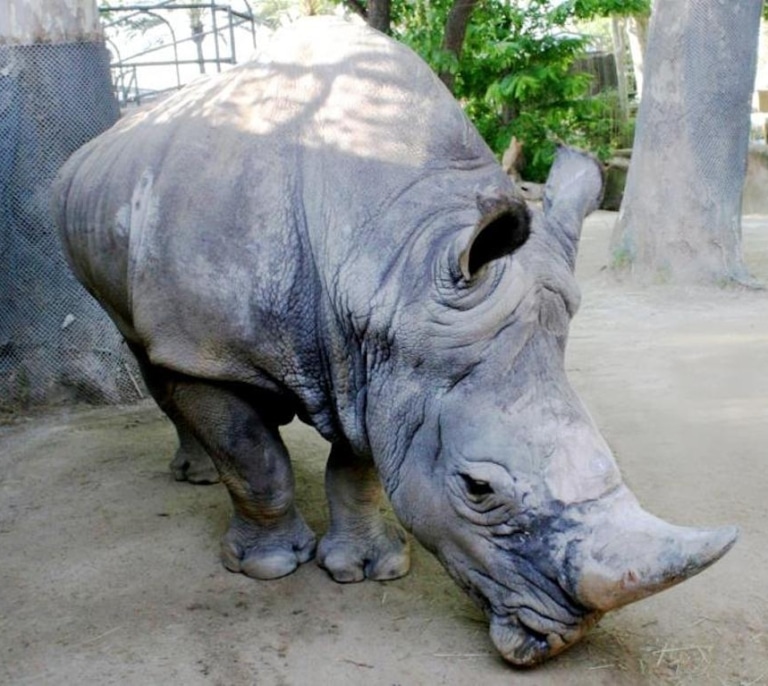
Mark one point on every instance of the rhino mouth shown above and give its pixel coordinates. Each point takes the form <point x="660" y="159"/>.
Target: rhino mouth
<point x="533" y="619"/>
<point x="526" y="638"/>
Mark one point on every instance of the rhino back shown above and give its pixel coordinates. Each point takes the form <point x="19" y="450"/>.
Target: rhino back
<point x="237" y="228"/>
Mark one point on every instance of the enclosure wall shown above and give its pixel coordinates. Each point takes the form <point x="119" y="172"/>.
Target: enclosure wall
<point x="55" y="342"/>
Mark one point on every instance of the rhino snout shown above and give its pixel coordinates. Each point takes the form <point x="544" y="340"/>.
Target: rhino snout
<point x="536" y="617"/>
<point x="593" y="558"/>
<point x="527" y="639"/>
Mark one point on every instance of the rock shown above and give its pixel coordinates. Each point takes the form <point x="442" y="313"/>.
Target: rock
<point x="615" y="179"/>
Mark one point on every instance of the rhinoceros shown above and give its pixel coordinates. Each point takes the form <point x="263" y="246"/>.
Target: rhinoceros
<point x="321" y="233"/>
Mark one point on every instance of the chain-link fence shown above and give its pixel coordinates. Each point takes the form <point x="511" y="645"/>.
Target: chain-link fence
<point x="56" y="344"/>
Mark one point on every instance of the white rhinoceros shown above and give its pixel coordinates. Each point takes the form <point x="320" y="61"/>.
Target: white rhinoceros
<point x="321" y="232"/>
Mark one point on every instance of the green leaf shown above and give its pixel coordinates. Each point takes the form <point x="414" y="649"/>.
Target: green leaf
<point x="514" y="75"/>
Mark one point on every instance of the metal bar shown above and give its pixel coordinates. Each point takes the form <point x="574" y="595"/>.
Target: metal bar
<point x="136" y="10"/>
<point x="180" y="6"/>
<point x="167" y="63"/>
<point x="242" y="15"/>
<point x="165" y="46"/>
<point x="215" y="37"/>
<point x="129" y="65"/>
<point x="126" y="81"/>
<point x="105" y="9"/>
<point x="231" y="37"/>
<point x="135" y="81"/>
<point x="175" y="44"/>
<point x="114" y="47"/>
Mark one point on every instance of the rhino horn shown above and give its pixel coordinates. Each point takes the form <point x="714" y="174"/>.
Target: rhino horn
<point x="633" y="554"/>
<point x="573" y="190"/>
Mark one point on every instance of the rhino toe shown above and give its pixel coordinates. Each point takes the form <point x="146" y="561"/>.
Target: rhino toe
<point x="267" y="554"/>
<point x="380" y="557"/>
<point x="391" y="566"/>
<point x="270" y="564"/>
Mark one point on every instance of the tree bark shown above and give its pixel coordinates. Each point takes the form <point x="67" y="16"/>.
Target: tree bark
<point x="618" y="33"/>
<point x="637" y="28"/>
<point x="680" y="219"/>
<point x="376" y="13"/>
<point x="379" y="15"/>
<point x="455" y="32"/>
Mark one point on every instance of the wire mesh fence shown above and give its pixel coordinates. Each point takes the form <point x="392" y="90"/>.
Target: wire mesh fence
<point x="56" y="344"/>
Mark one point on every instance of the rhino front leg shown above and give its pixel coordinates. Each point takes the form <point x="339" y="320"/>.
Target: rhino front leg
<point x="360" y="543"/>
<point x="191" y="461"/>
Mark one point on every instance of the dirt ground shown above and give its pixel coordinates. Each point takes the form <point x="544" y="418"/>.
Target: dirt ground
<point x="109" y="570"/>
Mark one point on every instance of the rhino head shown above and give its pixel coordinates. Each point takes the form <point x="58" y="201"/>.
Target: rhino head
<point x="496" y="466"/>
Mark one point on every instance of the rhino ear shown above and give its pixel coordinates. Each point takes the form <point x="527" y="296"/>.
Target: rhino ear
<point x="503" y="227"/>
<point x="574" y="189"/>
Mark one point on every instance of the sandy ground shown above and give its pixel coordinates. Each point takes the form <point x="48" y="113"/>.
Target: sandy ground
<point x="109" y="569"/>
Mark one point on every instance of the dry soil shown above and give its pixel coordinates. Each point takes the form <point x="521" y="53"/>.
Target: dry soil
<point x="109" y="570"/>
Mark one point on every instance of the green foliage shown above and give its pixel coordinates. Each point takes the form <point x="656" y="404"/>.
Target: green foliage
<point x="514" y="75"/>
<point x="589" y="9"/>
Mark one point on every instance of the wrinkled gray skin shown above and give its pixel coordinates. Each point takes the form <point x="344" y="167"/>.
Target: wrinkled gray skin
<point x="322" y="233"/>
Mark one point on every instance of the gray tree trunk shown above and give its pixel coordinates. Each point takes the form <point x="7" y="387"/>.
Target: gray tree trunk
<point x="637" y="29"/>
<point x="680" y="219"/>
<point x="379" y="15"/>
<point x="618" y="34"/>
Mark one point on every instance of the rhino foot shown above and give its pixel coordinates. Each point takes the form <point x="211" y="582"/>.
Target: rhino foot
<point x="380" y="555"/>
<point x="191" y="461"/>
<point x="195" y="467"/>
<point x="267" y="553"/>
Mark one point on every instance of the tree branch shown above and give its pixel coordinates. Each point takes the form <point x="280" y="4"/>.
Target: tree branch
<point x="455" y="31"/>
<point x="379" y="15"/>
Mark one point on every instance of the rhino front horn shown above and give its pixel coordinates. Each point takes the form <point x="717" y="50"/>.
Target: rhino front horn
<point x="634" y="554"/>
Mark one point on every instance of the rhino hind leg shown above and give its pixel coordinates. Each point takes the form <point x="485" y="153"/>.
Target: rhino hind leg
<point x="191" y="461"/>
<point x="361" y="543"/>
<point x="267" y="536"/>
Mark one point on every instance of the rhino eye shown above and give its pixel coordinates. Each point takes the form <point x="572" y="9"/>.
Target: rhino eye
<point x="476" y="488"/>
